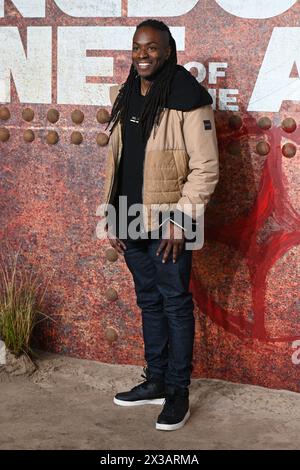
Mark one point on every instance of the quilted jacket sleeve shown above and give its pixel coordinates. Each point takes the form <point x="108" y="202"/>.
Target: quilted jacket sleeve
<point x="201" y="145"/>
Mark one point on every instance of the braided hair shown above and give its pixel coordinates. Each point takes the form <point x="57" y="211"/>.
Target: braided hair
<point x="156" y="98"/>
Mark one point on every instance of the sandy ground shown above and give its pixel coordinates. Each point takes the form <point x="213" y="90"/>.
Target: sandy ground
<point x="67" y="404"/>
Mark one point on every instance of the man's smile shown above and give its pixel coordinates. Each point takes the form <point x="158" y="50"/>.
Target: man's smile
<point x="144" y="65"/>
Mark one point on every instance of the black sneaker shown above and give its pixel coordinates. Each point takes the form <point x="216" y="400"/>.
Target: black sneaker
<point x="150" y="392"/>
<point x="176" y="410"/>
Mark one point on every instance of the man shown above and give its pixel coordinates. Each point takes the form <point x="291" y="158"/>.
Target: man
<point x="163" y="151"/>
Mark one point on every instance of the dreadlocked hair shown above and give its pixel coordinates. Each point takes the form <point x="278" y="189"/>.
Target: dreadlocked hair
<point x="156" y="98"/>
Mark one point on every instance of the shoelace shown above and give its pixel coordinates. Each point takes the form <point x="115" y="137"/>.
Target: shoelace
<point x="145" y="372"/>
<point x="142" y="382"/>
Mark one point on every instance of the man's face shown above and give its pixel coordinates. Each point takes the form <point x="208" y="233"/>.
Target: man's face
<point x="150" y="50"/>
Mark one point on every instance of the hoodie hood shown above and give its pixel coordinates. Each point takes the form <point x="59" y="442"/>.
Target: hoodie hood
<point x="186" y="93"/>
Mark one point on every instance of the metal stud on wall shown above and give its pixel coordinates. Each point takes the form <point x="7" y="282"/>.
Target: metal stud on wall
<point x="289" y="125"/>
<point x="28" y="114"/>
<point x="77" y="116"/>
<point x="289" y="150"/>
<point x="52" y="138"/>
<point x="111" y="254"/>
<point x="111" y="294"/>
<point x="53" y="115"/>
<point x="234" y="148"/>
<point x="103" y="116"/>
<point x="111" y="334"/>
<point x="4" y="134"/>
<point x="262" y="148"/>
<point x="28" y="135"/>
<point x="235" y="122"/>
<point x="76" y="138"/>
<point x="4" y="113"/>
<point x="102" y="139"/>
<point x="265" y="123"/>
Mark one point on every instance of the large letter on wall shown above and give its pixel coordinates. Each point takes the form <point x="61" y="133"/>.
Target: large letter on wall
<point x="74" y="65"/>
<point x="256" y="8"/>
<point x="31" y="71"/>
<point x="90" y="8"/>
<point x="155" y="8"/>
<point x="274" y="84"/>
<point x="28" y="9"/>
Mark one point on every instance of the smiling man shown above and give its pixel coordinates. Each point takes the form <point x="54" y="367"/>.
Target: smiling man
<point x="163" y="151"/>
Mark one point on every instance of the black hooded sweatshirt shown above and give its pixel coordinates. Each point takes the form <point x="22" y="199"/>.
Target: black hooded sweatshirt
<point x="185" y="94"/>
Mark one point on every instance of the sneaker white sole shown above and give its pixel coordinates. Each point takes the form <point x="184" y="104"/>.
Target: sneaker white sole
<point x="173" y="427"/>
<point x="155" y="401"/>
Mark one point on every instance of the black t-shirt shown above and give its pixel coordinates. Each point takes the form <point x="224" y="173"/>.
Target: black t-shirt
<point x="130" y="172"/>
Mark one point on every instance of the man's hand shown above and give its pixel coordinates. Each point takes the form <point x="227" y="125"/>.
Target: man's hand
<point x="115" y="242"/>
<point x="173" y="240"/>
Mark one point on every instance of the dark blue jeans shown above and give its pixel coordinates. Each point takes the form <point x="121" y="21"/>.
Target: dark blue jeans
<point x="162" y="291"/>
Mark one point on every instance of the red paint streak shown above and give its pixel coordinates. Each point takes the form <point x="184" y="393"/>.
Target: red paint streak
<point x="241" y="234"/>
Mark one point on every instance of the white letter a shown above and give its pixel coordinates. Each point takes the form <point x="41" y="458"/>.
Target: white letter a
<point x="274" y="83"/>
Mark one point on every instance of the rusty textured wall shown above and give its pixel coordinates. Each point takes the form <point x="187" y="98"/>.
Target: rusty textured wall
<point x="245" y="280"/>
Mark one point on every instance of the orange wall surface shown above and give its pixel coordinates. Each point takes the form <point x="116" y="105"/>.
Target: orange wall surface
<point x="245" y="279"/>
